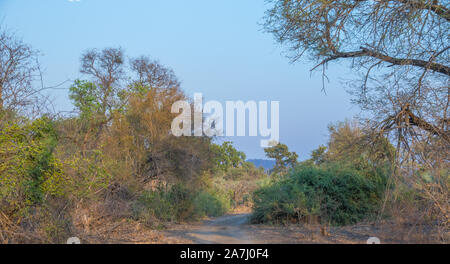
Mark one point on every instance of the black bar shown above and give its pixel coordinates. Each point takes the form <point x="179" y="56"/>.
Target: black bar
<point x="225" y="253"/>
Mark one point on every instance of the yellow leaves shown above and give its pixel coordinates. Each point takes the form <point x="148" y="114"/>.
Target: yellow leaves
<point x="28" y="169"/>
<point x="56" y="183"/>
<point x="85" y="176"/>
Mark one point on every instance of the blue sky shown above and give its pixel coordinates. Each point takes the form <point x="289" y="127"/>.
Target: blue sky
<point x="217" y="48"/>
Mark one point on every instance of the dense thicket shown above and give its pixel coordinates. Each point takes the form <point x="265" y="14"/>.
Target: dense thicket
<point x="343" y="183"/>
<point x="336" y="194"/>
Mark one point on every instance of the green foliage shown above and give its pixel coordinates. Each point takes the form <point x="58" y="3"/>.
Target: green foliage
<point x="208" y="203"/>
<point x="29" y="170"/>
<point x="179" y="203"/>
<point x="88" y="174"/>
<point x="237" y="184"/>
<point x="318" y="155"/>
<point x="284" y="159"/>
<point x="138" y="89"/>
<point x="226" y="156"/>
<point x="84" y="95"/>
<point x="342" y="183"/>
<point x="166" y="204"/>
<point x="338" y="195"/>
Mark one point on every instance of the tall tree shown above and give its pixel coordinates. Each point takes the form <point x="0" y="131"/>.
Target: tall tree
<point x="227" y="156"/>
<point x="283" y="157"/>
<point x="106" y="70"/>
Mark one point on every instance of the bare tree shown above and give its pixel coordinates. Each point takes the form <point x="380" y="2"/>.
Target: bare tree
<point x="153" y="74"/>
<point x="106" y="68"/>
<point x="18" y="67"/>
<point x="399" y="46"/>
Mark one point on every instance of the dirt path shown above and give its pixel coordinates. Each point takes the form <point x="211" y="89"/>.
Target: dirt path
<point x="235" y="229"/>
<point x="229" y="229"/>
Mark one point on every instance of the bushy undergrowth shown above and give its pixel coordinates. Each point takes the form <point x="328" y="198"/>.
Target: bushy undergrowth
<point x="213" y="195"/>
<point x="33" y="186"/>
<point x="178" y="203"/>
<point x="210" y="203"/>
<point x="54" y="184"/>
<point x="29" y="170"/>
<point x="165" y="204"/>
<point x="238" y="184"/>
<point x="335" y="194"/>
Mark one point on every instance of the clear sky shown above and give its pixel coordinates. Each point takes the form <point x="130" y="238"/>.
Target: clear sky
<point x="215" y="47"/>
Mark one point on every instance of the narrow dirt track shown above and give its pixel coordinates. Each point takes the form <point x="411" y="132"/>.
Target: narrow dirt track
<point x="229" y="229"/>
<point x="235" y="229"/>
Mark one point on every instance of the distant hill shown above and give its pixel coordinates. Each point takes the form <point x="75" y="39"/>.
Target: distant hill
<point x="265" y="163"/>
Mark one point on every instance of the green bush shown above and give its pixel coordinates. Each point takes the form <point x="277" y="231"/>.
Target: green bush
<point x="167" y="204"/>
<point x="336" y="194"/>
<point x="237" y="184"/>
<point x="211" y="204"/>
<point x="179" y="203"/>
<point x="29" y="170"/>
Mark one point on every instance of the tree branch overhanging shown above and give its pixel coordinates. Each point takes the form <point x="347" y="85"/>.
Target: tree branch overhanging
<point x="364" y="52"/>
<point x="435" y="7"/>
<point x="438" y="9"/>
<point x="406" y="118"/>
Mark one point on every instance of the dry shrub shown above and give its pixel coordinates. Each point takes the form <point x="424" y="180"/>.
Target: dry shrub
<point x="118" y="199"/>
